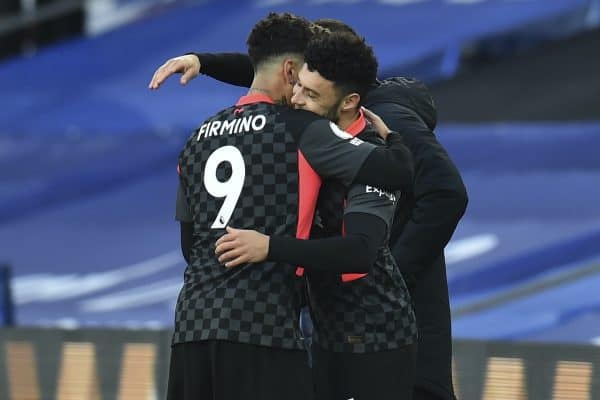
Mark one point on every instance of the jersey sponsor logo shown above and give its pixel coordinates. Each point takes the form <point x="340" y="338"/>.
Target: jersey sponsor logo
<point x="238" y="125"/>
<point x="381" y="192"/>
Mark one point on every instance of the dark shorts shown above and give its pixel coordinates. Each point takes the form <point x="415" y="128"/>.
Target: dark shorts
<point x="385" y="375"/>
<point x="220" y="370"/>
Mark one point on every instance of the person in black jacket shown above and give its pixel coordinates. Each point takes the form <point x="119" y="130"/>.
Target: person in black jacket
<point x="424" y="223"/>
<point x="425" y="218"/>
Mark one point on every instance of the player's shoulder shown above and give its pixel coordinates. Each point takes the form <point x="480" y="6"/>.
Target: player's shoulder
<point x="302" y="122"/>
<point x="299" y="117"/>
<point x="219" y="115"/>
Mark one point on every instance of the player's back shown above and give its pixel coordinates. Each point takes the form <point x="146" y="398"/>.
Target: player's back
<point x="241" y="169"/>
<point x="251" y="166"/>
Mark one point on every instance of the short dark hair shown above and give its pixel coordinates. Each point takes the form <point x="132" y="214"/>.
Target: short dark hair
<point x="335" y="25"/>
<point x="345" y="59"/>
<point x="278" y="34"/>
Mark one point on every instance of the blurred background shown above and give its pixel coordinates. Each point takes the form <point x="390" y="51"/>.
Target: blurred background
<point x="88" y="239"/>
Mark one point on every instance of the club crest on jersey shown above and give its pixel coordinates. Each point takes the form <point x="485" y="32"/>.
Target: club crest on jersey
<point x="238" y="125"/>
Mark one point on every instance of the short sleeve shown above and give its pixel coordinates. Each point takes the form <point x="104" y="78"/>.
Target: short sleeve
<point x="367" y="199"/>
<point x="332" y="152"/>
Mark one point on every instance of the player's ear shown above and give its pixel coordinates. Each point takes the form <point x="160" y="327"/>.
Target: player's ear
<point x="290" y="71"/>
<point x="350" y="101"/>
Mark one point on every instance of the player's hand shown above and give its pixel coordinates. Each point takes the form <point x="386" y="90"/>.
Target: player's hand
<point x="375" y="120"/>
<point x="240" y="246"/>
<point x="188" y="65"/>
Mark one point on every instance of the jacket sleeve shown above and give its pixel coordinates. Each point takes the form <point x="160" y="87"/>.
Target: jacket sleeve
<point x="233" y="68"/>
<point x="440" y="197"/>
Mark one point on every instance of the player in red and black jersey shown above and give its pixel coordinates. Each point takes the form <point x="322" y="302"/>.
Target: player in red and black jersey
<point x="258" y="164"/>
<point x="364" y="345"/>
<point x="426" y="216"/>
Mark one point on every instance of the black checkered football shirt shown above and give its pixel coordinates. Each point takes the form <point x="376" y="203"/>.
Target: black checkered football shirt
<point x="358" y="313"/>
<point x="253" y="166"/>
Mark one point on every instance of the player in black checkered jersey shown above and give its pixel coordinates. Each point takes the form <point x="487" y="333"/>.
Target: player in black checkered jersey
<point x="425" y="218"/>
<point x="364" y="346"/>
<point x="257" y="164"/>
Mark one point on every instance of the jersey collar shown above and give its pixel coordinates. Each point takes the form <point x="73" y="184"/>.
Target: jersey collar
<point x="357" y="126"/>
<point x="254" y="98"/>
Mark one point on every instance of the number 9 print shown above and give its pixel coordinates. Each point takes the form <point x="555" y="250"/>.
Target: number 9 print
<point x="231" y="188"/>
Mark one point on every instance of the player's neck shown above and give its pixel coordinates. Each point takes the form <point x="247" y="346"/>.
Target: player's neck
<point x="264" y="85"/>
<point x="257" y="90"/>
<point x="348" y="118"/>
